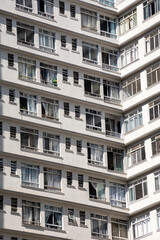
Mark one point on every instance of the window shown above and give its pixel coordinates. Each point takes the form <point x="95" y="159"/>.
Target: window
<point x="115" y="159"/>
<point x="68" y="143"/>
<point x="152" y="41"/>
<point x="71" y="217"/>
<point x="46" y="40"/>
<point x="12" y="95"/>
<point x="1" y="128"/>
<point x="90" y="52"/>
<point x="1" y="202"/>
<point x="93" y="119"/>
<point x="97" y="189"/>
<point x="13" y="167"/>
<point x="88" y="19"/>
<point x="155" y="141"/>
<point x="65" y="75"/>
<point x="63" y="41"/>
<point x="10" y="60"/>
<point x="24" y="4"/>
<point x="52" y="179"/>
<point x="9" y="25"/>
<point x="129" y="54"/>
<point x="79" y="146"/>
<point x="48" y="74"/>
<point x="119" y="229"/>
<point x="133" y="120"/>
<point x="45" y="8"/>
<point x="72" y="11"/>
<point x="26" y="69"/>
<point x="153" y="74"/>
<point x="61" y="7"/>
<point x="69" y="178"/>
<point x="109" y="59"/>
<point x="157" y="181"/>
<point x="138" y="189"/>
<point x="66" y="109"/>
<point x="30" y="212"/>
<point x="29" y="138"/>
<point x="99" y="225"/>
<point x="117" y="195"/>
<point x="82" y="217"/>
<point x="154" y="109"/>
<point x="158" y="218"/>
<point x="74" y="44"/>
<point x="1" y="164"/>
<point x="141" y="226"/>
<point x="80" y="180"/>
<point x="76" y="77"/>
<point x="53" y="217"/>
<point x="108" y="27"/>
<point x="110" y="3"/>
<point x="136" y="154"/>
<point x="95" y="154"/>
<point x="92" y="85"/>
<point x="128" y="21"/>
<point x="77" y="111"/>
<point x="132" y="86"/>
<point x="12" y="132"/>
<point x="30" y="175"/>
<point x="111" y="91"/>
<point x="28" y="104"/>
<point x="49" y="108"/>
<point x="14" y="205"/>
<point x="25" y="33"/>
<point x="150" y="8"/>
<point x="51" y="144"/>
<point x="113" y="126"/>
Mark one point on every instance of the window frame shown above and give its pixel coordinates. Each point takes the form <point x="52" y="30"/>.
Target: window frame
<point x="118" y="188"/>
<point x="109" y="59"/>
<point x="30" y="175"/>
<point x="109" y="22"/>
<point x="27" y="29"/>
<point x="90" y="47"/>
<point x="50" y="108"/>
<point x="55" y="175"/>
<point x="101" y="220"/>
<point x="44" y="37"/>
<point x="30" y="133"/>
<point x="53" y="211"/>
<point x="53" y="142"/>
<point x="48" y="74"/>
<point x="35" y="208"/>
<point x="93" y="114"/>
<point x="133" y="195"/>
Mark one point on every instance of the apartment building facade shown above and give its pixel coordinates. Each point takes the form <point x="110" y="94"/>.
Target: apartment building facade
<point x="79" y="119"/>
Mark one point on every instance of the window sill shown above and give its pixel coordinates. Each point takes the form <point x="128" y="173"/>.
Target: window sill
<point x="82" y="189"/>
<point x="135" y="129"/>
<point x="50" y="155"/>
<point x="14" y="213"/>
<point x="31" y="225"/>
<point x="92" y="96"/>
<point x="63" y="15"/>
<point x="29" y="150"/>
<point x="14" y="175"/>
<point x="130" y="63"/>
<point x="138" y="200"/>
<point x="14" y="139"/>
<point x="155" y="155"/>
<point x="90" y="63"/>
<point x="99" y="201"/>
<point x="130" y="97"/>
<point x="129" y="30"/>
<point x="97" y="165"/>
<point x="156" y="192"/>
<point x="145" y="20"/>
<point x="64" y="48"/>
<point x="45" y="17"/>
<point x="90" y="30"/>
<point x="69" y="151"/>
<point x="100" y="237"/>
<point x="136" y="164"/>
<point x="76" y="85"/>
<point x="54" y="229"/>
<point x="77" y="52"/>
<point x="153" y="120"/>
<point x="66" y="82"/>
<point x="74" y="223"/>
<point x="79" y="119"/>
<point x="12" y="68"/>
<point x="154" y="84"/>
<point x="75" y="19"/>
<point x="70" y="186"/>
<point x="1" y="100"/>
<point x="152" y="51"/>
<point x="50" y="120"/>
<point x="13" y="103"/>
<point x="146" y="235"/>
<point x="80" y="153"/>
<point x="67" y="116"/>
<point x="48" y="52"/>
<point x="3" y="173"/>
<point x="97" y="131"/>
<point x="11" y="33"/>
<point x="26" y="45"/>
<point x="52" y="191"/>
<point x="2" y="211"/>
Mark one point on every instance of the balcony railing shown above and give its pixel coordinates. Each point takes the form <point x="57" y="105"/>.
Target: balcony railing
<point x="113" y="134"/>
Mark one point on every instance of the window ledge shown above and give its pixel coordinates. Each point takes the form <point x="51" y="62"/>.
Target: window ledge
<point x="71" y="186"/>
<point x="2" y="211"/>
<point x="80" y="153"/>
<point x="63" y="15"/>
<point x="73" y="223"/>
<point x="99" y="201"/>
<point x="146" y="235"/>
<point x="155" y="155"/>
<point x="44" y="17"/>
<point x="129" y="30"/>
<point x="97" y="165"/>
<point x="67" y="116"/>
<point x="136" y="164"/>
<point x="54" y="229"/>
<point x="100" y="237"/>
<point x="35" y="226"/>
<point x="75" y="19"/>
<point x="14" y="175"/>
<point x="90" y="30"/>
<point x="116" y="172"/>
<point x="124" y="100"/>
<point x="3" y="173"/>
<point x="152" y="51"/>
<point x="29" y="150"/>
<point x="90" y="63"/>
<point x="154" y="120"/>
<point x="154" y="84"/>
<point x="11" y="33"/>
<point x="26" y="45"/>
<point x="97" y="131"/>
<point x="82" y="189"/>
<point x="14" y="139"/>
<point x="12" y="68"/>
<point x="69" y="151"/>
<point x="135" y="129"/>
<point x="66" y="82"/>
<point x="1" y="100"/>
<point x="64" y="48"/>
<point x="50" y="155"/>
<point x="94" y="97"/>
<point x="147" y="19"/>
<point x="13" y="103"/>
<point x="15" y="213"/>
<point x="52" y="191"/>
<point x="135" y="201"/>
<point x="48" y="52"/>
<point x="79" y="119"/>
<point x="76" y="85"/>
<point x="156" y="192"/>
<point x="130" y="63"/>
<point x="77" y="52"/>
